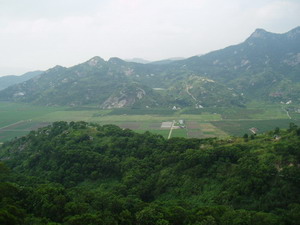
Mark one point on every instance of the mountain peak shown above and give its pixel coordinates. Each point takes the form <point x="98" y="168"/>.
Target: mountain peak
<point x="296" y="29"/>
<point x="294" y="33"/>
<point x="259" y="33"/>
<point x="116" y="60"/>
<point x="263" y="34"/>
<point x="95" y="61"/>
<point x="56" y="68"/>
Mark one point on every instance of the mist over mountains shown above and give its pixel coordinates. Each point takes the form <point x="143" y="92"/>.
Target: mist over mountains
<point x="265" y="66"/>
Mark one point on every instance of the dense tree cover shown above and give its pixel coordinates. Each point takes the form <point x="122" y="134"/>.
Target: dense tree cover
<point x="78" y="173"/>
<point x="265" y="67"/>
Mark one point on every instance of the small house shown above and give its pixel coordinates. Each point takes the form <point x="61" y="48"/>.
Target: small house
<point x="254" y="130"/>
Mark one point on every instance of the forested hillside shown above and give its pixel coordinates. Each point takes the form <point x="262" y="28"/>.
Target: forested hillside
<point x="80" y="173"/>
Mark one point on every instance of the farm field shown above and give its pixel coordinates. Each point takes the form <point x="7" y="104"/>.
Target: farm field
<point x="18" y="119"/>
<point x="237" y="128"/>
<point x="13" y="112"/>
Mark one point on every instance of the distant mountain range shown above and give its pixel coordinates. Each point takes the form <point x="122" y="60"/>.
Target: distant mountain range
<point x="266" y="66"/>
<point x="164" y="61"/>
<point x="138" y="60"/>
<point x="7" y="81"/>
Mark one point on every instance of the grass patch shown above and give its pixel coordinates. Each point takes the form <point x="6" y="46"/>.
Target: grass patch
<point x="179" y="133"/>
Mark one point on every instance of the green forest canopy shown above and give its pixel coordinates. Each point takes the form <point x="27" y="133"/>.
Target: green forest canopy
<point x="78" y="173"/>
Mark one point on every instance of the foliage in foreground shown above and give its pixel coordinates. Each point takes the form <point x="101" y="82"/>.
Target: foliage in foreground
<point x="81" y="173"/>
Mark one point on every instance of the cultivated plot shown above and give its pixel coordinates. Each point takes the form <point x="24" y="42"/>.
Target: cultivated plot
<point x="196" y="129"/>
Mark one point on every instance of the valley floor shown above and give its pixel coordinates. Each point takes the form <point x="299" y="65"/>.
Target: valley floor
<point x="19" y="119"/>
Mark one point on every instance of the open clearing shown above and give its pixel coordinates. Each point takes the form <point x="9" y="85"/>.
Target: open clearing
<point x="18" y="119"/>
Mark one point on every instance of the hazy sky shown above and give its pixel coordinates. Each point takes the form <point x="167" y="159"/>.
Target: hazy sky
<point x="39" y="34"/>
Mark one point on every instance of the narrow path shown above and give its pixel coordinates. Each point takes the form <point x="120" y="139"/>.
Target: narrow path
<point x="171" y="129"/>
<point x="189" y="93"/>
<point x="21" y="121"/>
<point x="287" y="113"/>
<point x="14" y="130"/>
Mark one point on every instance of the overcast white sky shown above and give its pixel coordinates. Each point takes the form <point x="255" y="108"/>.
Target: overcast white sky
<point x="39" y="34"/>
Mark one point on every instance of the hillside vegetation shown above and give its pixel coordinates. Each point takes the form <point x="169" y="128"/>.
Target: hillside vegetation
<point x="265" y="67"/>
<point x="79" y="173"/>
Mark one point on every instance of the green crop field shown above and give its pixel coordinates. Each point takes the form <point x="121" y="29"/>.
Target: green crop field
<point x="13" y="112"/>
<point x="18" y="119"/>
<point x="238" y="128"/>
<point x="179" y="133"/>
